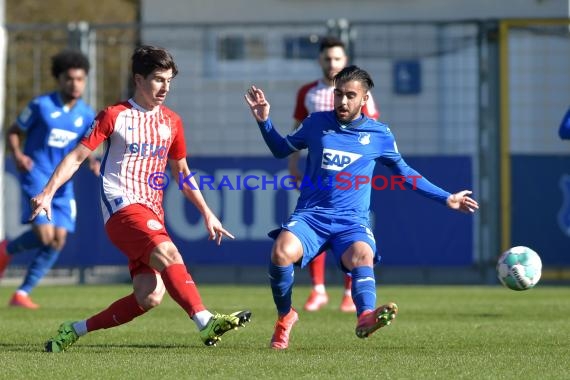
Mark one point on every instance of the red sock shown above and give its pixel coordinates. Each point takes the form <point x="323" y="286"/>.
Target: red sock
<point x="317" y="269"/>
<point x="347" y="282"/>
<point x="121" y="311"/>
<point x="181" y="287"/>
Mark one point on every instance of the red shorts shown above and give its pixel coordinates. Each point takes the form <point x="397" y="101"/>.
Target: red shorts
<point x="136" y="231"/>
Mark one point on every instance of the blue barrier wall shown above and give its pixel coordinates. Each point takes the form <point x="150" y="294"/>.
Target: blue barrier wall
<point x="410" y="229"/>
<point x="540" y="216"/>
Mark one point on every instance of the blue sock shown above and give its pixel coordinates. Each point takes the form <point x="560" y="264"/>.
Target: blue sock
<point x="363" y="289"/>
<point x="25" y="242"/>
<point x="281" y="279"/>
<point x="41" y="264"/>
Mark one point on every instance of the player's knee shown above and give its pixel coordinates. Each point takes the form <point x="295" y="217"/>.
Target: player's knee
<point x="358" y="259"/>
<point x="57" y="243"/>
<point x="284" y="255"/>
<point x="166" y="255"/>
<point x="287" y="249"/>
<point x="152" y="299"/>
<point x="46" y="238"/>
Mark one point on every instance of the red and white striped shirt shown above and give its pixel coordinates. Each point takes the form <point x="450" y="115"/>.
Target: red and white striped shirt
<point x="138" y="145"/>
<point x="317" y="96"/>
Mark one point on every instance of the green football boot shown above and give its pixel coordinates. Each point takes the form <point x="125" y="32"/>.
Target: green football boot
<point x="65" y="337"/>
<point x="219" y="324"/>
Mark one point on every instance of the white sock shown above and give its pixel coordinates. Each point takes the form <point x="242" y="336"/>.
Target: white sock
<point x="80" y="327"/>
<point x="22" y="292"/>
<point x="348" y="292"/>
<point x="320" y="288"/>
<point x="202" y="318"/>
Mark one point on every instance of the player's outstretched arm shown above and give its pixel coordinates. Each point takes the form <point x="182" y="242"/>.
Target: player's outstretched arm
<point x="192" y="192"/>
<point x="63" y="173"/>
<point x="462" y="202"/>
<point x="259" y="106"/>
<point x="293" y="164"/>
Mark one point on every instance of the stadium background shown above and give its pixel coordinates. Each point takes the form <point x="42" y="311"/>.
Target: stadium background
<point x="473" y="96"/>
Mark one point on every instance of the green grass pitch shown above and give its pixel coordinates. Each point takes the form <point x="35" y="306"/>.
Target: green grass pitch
<point x="443" y="332"/>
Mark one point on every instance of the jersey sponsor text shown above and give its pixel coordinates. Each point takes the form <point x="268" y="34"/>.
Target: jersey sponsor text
<point x="337" y="159"/>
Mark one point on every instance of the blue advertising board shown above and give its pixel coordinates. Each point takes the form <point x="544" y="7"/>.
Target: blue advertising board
<point x="540" y="217"/>
<point x="410" y="230"/>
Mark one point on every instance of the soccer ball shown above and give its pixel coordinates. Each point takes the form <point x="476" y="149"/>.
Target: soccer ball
<point x="519" y="268"/>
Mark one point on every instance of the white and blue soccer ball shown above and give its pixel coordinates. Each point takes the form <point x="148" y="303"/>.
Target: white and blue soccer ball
<point x="519" y="268"/>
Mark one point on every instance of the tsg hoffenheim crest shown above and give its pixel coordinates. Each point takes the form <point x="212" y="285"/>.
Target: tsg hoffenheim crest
<point x="564" y="213"/>
<point x="364" y="138"/>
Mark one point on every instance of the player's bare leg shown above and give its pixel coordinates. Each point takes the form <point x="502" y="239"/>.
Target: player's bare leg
<point x="318" y="297"/>
<point x="347" y="304"/>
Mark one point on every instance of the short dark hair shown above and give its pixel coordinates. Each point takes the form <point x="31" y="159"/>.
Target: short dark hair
<point x="353" y="72"/>
<point x="148" y="58"/>
<point x="68" y="59"/>
<point x="328" y="42"/>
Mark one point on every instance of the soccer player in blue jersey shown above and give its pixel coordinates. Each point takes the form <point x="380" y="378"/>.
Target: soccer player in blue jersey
<point x="318" y="96"/>
<point x="333" y="207"/>
<point x="51" y="125"/>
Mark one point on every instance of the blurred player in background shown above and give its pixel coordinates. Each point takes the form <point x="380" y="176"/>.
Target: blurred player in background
<point x="51" y="126"/>
<point x="335" y="215"/>
<point x="318" y="96"/>
<point x="564" y="130"/>
<point x="141" y="136"/>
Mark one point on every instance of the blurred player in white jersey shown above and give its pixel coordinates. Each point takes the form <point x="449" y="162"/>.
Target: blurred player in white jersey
<point x="312" y="97"/>
<point x="46" y="130"/>
<point x="141" y="136"/>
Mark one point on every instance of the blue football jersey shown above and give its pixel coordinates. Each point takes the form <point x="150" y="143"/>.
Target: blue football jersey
<point x="339" y="157"/>
<point x="52" y="131"/>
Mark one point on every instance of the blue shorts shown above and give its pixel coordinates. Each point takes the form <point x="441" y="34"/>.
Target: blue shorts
<point x="63" y="212"/>
<point x="319" y="231"/>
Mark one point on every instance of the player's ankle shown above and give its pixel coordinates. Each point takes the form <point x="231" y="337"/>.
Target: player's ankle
<point x="320" y="288"/>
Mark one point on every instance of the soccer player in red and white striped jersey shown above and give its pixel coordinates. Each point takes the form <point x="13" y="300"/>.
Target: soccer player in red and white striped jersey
<point x="141" y="136"/>
<point x="139" y="142"/>
<point x="318" y="96"/>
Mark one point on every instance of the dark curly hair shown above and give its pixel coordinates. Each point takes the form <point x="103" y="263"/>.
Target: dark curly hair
<point x="68" y="59"/>
<point x="328" y="42"/>
<point x="148" y="58"/>
<point x="350" y="73"/>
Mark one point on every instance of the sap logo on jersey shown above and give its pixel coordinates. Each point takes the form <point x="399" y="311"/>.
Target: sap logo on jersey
<point x="60" y="138"/>
<point x="337" y="159"/>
